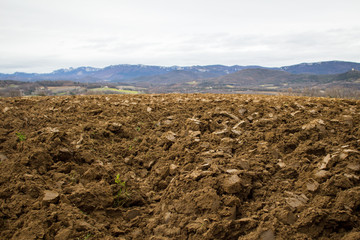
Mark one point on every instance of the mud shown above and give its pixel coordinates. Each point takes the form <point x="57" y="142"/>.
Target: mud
<point x="179" y="167"/>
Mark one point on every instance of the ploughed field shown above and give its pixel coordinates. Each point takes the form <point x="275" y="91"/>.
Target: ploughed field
<point x="177" y="166"/>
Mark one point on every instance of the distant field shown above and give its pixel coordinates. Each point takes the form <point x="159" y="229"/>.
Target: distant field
<point x="105" y="89"/>
<point x="192" y="83"/>
<point x="64" y="89"/>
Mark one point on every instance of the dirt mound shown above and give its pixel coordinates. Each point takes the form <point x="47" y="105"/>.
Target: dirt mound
<point x="179" y="167"/>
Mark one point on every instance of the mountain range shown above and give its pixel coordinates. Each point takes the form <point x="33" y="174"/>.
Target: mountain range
<point x="146" y="74"/>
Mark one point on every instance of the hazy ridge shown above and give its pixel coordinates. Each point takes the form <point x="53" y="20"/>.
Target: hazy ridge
<point x="134" y="73"/>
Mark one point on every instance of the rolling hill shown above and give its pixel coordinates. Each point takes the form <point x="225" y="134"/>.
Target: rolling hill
<point x="126" y="73"/>
<point x="259" y="79"/>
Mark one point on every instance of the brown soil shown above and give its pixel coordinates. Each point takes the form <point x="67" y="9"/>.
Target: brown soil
<point x="188" y="166"/>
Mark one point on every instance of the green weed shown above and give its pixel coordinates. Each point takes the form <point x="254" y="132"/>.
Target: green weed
<point x="87" y="236"/>
<point x="123" y="194"/>
<point x="21" y="137"/>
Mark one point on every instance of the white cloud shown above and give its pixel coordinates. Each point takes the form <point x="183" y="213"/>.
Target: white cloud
<point x="43" y="35"/>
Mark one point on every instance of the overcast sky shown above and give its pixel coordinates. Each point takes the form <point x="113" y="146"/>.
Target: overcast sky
<point x="44" y="35"/>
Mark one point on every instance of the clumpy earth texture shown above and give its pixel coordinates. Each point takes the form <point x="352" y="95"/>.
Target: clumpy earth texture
<point x="177" y="166"/>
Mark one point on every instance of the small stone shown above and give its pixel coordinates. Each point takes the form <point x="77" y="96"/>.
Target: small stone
<point x="167" y="122"/>
<point x="148" y="109"/>
<point x="232" y="184"/>
<point x="194" y="134"/>
<point x="195" y="175"/>
<point x="28" y="176"/>
<point x="52" y="130"/>
<point x="50" y="196"/>
<point x="236" y="132"/>
<point x="115" y="127"/>
<point x="173" y="169"/>
<point x="127" y="160"/>
<point x="296" y="200"/>
<point x="312" y="185"/>
<point x="343" y="156"/>
<point x="281" y="164"/>
<point x="317" y="123"/>
<point x="6" y="109"/>
<point x="170" y="136"/>
<point x="322" y="174"/>
<point x="242" y="111"/>
<point x="348" y="120"/>
<point x="250" y="118"/>
<point x="167" y="217"/>
<point x="325" y="161"/>
<point x="233" y="171"/>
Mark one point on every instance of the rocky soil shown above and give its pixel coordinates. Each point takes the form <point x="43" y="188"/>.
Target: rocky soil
<point x="179" y="167"/>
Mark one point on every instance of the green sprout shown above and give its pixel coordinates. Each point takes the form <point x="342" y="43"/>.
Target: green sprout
<point x="138" y="128"/>
<point x="21" y="137"/>
<point x="87" y="236"/>
<point x="122" y="195"/>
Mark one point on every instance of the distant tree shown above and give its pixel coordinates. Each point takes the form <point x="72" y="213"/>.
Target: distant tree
<point x="15" y="93"/>
<point x="334" y="92"/>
